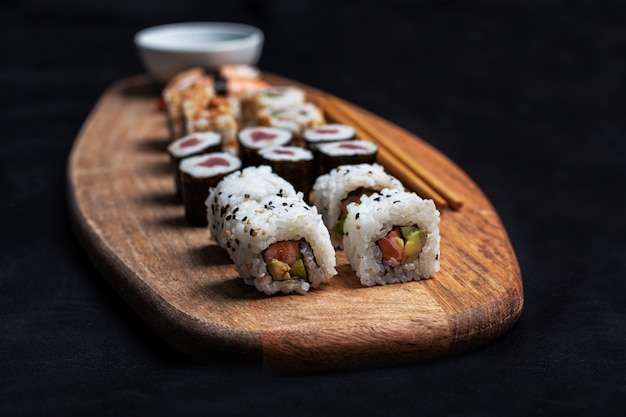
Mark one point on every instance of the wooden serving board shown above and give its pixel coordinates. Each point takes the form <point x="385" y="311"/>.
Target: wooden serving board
<point x="185" y="287"/>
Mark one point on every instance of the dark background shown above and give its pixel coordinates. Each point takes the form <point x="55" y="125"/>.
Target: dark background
<point x="527" y="97"/>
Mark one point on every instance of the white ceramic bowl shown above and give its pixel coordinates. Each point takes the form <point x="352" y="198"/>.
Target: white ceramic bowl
<point x="168" y="49"/>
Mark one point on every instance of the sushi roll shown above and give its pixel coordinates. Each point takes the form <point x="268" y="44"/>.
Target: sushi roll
<point x="293" y="163"/>
<point x="279" y="244"/>
<point x="236" y="71"/>
<point x="332" y="132"/>
<point x="218" y="114"/>
<point x="251" y="183"/>
<point x="193" y="85"/>
<point x="392" y="237"/>
<point x="332" y="192"/>
<point x="271" y="97"/>
<point x="348" y="152"/>
<point x="240" y="81"/>
<point x="295" y="118"/>
<point x="191" y="145"/>
<point x="252" y="139"/>
<point x="199" y="173"/>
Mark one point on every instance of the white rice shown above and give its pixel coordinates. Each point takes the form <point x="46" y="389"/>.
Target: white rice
<point x="209" y="165"/>
<point x="330" y="189"/>
<point x="372" y="219"/>
<point x="348" y="148"/>
<point x="193" y="143"/>
<point x="218" y="114"/>
<point x="258" y="137"/>
<point x="251" y="183"/>
<point x="255" y="225"/>
<point x="279" y="96"/>
<point x="272" y="97"/>
<point x="286" y="153"/>
<point x="294" y="118"/>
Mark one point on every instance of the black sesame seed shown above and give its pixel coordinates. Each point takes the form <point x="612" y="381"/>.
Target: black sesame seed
<point x="232" y="249"/>
<point x="229" y="217"/>
<point x="244" y="219"/>
<point x="356" y="216"/>
<point x="437" y="257"/>
<point x="246" y="195"/>
<point x="237" y="242"/>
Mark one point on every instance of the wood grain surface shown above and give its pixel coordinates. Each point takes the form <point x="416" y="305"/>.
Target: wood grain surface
<point x="126" y="214"/>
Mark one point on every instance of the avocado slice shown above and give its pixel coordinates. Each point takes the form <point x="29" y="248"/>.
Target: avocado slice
<point x="298" y="269"/>
<point x="338" y="229"/>
<point x="414" y="243"/>
<point x="279" y="270"/>
<point x="407" y="231"/>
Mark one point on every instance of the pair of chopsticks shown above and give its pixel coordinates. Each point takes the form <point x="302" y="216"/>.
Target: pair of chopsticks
<point x="396" y="161"/>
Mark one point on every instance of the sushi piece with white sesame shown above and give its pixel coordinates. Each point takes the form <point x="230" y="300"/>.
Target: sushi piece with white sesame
<point x="280" y="244"/>
<point x="392" y="237"/>
<point x="345" y="184"/>
<point x="250" y="183"/>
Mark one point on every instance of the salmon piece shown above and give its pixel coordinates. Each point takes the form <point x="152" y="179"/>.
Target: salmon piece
<point x="392" y="247"/>
<point x="285" y="251"/>
<point x="245" y="86"/>
<point x="239" y="71"/>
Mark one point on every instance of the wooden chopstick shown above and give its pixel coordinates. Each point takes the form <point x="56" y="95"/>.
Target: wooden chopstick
<point x="395" y="160"/>
<point x="409" y="179"/>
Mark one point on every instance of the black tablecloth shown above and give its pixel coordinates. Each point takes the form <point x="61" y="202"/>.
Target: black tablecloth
<point x="527" y="97"/>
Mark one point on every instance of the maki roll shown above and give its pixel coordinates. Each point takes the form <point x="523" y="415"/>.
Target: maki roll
<point x="218" y="114"/>
<point x="279" y="244"/>
<point x="251" y="183"/>
<point x="295" y="118"/>
<point x="271" y="97"/>
<point x="391" y="237"/>
<point x="190" y="84"/>
<point x="332" y="192"/>
<point x="332" y="132"/>
<point x="348" y="152"/>
<point x="199" y="173"/>
<point x="237" y="71"/>
<point x="252" y="139"/>
<point x="191" y="145"/>
<point x="239" y="80"/>
<point x="293" y="163"/>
